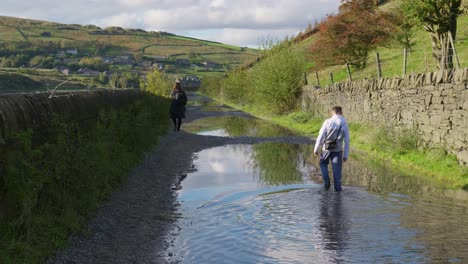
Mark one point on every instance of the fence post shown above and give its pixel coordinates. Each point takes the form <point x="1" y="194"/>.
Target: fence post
<point x="425" y="62"/>
<point x="331" y="77"/>
<point x="454" y="50"/>
<point x="349" y="72"/>
<point x="405" y="61"/>
<point x="379" y="68"/>
<point x="305" y="79"/>
<point x="318" y="80"/>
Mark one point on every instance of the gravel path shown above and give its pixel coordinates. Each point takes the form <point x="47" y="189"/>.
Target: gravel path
<point x="132" y="225"/>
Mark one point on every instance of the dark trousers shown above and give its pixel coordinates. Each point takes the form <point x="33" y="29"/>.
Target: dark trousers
<point x="177" y="121"/>
<point x="336" y="159"/>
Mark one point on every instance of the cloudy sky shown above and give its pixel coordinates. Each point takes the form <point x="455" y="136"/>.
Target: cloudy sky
<point x="237" y="22"/>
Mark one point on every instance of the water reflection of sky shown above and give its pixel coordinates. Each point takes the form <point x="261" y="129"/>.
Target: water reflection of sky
<point x="235" y="126"/>
<point x="230" y="215"/>
<point x="216" y="132"/>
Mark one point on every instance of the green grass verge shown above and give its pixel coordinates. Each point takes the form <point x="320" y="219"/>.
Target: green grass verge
<point x="400" y="150"/>
<point x="53" y="181"/>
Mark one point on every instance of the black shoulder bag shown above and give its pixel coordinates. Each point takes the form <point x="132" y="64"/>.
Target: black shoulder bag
<point x="331" y="144"/>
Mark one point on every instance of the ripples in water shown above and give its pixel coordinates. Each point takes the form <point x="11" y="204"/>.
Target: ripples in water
<point x="257" y="204"/>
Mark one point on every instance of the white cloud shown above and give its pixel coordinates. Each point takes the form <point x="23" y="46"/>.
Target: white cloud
<point x="253" y="38"/>
<point x="124" y="20"/>
<point x="238" y="21"/>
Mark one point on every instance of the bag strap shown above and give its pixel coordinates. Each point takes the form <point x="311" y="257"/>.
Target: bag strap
<point x="336" y="138"/>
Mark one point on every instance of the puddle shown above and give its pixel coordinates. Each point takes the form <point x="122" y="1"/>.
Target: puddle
<point x="235" y="126"/>
<point x="261" y="204"/>
<point x="223" y="109"/>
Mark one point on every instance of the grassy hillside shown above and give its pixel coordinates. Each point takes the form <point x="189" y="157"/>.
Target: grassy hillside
<point x="12" y="81"/>
<point x="29" y="38"/>
<point x="391" y="56"/>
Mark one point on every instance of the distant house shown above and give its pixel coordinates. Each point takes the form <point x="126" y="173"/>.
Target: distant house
<point x="63" y="70"/>
<point x="183" y="62"/>
<point x="160" y="58"/>
<point x="190" y="81"/>
<point x="61" y="54"/>
<point x="125" y="59"/>
<point x="158" y="66"/>
<point x="107" y="60"/>
<point x="46" y="34"/>
<point x="145" y="64"/>
<point x="87" y="72"/>
<point x="209" y="64"/>
<point x="108" y="73"/>
<point x="72" y="51"/>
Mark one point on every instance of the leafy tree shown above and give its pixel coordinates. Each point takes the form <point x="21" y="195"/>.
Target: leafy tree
<point x="439" y="19"/>
<point x="192" y="55"/>
<point x="36" y="61"/>
<point x="349" y="36"/>
<point x="138" y="56"/>
<point x="42" y="62"/>
<point x="114" y="80"/>
<point x="236" y="87"/>
<point x="74" y="66"/>
<point x="132" y="79"/>
<point x="405" y="23"/>
<point x="103" y="78"/>
<point x="170" y="68"/>
<point x="277" y="79"/>
<point x="123" y="81"/>
<point x="158" y="83"/>
<point x="14" y="61"/>
<point x="95" y="63"/>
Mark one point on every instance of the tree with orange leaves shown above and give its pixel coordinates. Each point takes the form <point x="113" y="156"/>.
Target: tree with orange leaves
<point x="349" y="36"/>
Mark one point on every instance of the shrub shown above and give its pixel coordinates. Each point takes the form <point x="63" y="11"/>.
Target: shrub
<point x="211" y="86"/>
<point x="237" y="87"/>
<point x="277" y="79"/>
<point x="157" y="83"/>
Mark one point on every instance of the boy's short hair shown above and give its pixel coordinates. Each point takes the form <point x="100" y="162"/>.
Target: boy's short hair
<point x="337" y="109"/>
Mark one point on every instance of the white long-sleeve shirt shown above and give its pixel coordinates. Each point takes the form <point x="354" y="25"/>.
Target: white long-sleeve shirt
<point x="330" y="130"/>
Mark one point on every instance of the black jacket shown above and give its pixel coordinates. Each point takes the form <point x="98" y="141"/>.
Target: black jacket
<point x="179" y="100"/>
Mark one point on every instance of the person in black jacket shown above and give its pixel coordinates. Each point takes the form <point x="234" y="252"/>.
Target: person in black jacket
<point x="177" y="109"/>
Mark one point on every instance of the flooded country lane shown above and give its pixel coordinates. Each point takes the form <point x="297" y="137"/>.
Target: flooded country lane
<point x="264" y="203"/>
<point x="231" y="188"/>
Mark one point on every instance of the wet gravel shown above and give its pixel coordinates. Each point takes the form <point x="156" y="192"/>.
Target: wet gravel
<point x="131" y="226"/>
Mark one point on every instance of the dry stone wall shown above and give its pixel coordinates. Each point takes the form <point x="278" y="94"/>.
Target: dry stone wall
<point x="23" y="111"/>
<point x="435" y="104"/>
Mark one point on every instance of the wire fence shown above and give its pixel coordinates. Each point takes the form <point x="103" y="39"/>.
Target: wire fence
<point x="389" y="63"/>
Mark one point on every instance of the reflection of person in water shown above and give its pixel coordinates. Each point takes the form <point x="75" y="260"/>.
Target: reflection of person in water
<point x="177" y="110"/>
<point x="334" y="225"/>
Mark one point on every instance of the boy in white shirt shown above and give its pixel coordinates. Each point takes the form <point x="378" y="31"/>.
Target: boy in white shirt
<point x="332" y="134"/>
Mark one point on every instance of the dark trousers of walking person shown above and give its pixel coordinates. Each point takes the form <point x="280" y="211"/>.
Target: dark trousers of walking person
<point x="336" y="159"/>
<point x="177" y="121"/>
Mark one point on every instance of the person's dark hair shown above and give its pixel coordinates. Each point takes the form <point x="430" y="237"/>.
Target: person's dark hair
<point x="337" y="109"/>
<point x="177" y="86"/>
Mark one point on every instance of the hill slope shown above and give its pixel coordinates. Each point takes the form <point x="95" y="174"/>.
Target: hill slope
<point x="391" y="56"/>
<point x="34" y="37"/>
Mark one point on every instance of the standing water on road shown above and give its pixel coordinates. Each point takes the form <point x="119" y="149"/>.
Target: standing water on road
<point x="259" y="204"/>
